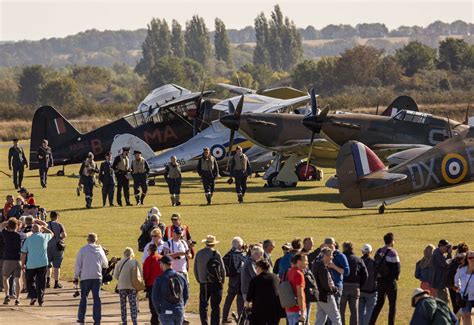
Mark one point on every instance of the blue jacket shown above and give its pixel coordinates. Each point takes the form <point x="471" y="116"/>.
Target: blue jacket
<point x="285" y="264"/>
<point x="341" y="261"/>
<point x="161" y="284"/>
<point x="422" y="273"/>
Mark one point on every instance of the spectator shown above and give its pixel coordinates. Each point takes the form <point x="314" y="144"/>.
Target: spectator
<point x="123" y="273"/>
<point x="107" y="180"/>
<point x="310" y="292"/>
<point x="28" y="197"/>
<point x="146" y="228"/>
<point x="327" y="306"/>
<point x="429" y="310"/>
<point x="233" y="263"/>
<point x="17" y="159"/>
<point x="45" y="161"/>
<point x="90" y="261"/>
<point x="210" y="274"/>
<point x="264" y="297"/>
<point x="173" y="179"/>
<point x="9" y="204"/>
<point x="17" y="210"/>
<point x="285" y="262"/>
<point x="458" y="261"/>
<point x="387" y="265"/>
<point x="352" y="283"/>
<point x="423" y="270"/>
<point x="285" y="248"/>
<point x="308" y="244"/>
<point x="156" y="239"/>
<point x="295" y="277"/>
<point x="439" y="269"/>
<point x="268" y="247"/>
<point x="34" y="258"/>
<point x="151" y="270"/>
<point x="176" y="222"/>
<point x="368" y="292"/>
<point x="464" y="281"/>
<point x="170" y="311"/>
<point x="178" y="250"/>
<point x="56" y="248"/>
<point x="249" y="270"/>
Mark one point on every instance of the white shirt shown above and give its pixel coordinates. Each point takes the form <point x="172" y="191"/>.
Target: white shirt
<point x="461" y="280"/>
<point x="178" y="264"/>
<point x="159" y="250"/>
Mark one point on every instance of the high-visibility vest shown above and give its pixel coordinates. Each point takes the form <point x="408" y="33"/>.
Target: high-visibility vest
<point x="169" y="232"/>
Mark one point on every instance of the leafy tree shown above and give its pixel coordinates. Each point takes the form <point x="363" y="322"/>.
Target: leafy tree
<point x="459" y="27"/>
<point x="438" y="28"/>
<point x="416" y="56"/>
<point x="177" y="39"/>
<point x="60" y="92"/>
<point x="389" y="71"/>
<point x="221" y="42"/>
<point x="338" y="31"/>
<point x="454" y="53"/>
<point x="358" y="66"/>
<point x="372" y="30"/>
<point x="310" y="33"/>
<point x="260" y="54"/>
<point x="157" y="44"/>
<point x="171" y="69"/>
<point x="261" y="74"/>
<point x="198" y="46"/>
<point x="30" y="82"/>
<point x="320" y="75"/>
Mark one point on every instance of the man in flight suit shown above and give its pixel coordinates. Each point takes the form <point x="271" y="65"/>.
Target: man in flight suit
<point x="17" y="160"/>
<point x="240" y="169"/>
<point x="106" y="178"/>
<point x="121" y="166"/>
<point x="208" y="170"/>
<point x="140" y="171"/>
<point x="45" y="161"/>
<point x="87" y="172"/>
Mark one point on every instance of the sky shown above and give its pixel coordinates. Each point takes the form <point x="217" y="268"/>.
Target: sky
<point x="37" y="19"/>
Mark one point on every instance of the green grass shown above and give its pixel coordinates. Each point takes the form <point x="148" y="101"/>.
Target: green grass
<point x="279" y="214"/>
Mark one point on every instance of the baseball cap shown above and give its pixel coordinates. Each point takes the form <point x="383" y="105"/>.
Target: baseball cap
<point x="443" y="242"/>
<point x="166" y="260"/>
<point x="22" y="190"/>
<point x="286" y="246"/>
<point x="367" y="248"/>
<point x="178" y="230"/>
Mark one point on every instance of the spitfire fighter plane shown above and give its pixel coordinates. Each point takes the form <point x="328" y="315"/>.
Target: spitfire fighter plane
<point x="365" y="182"/>
<point x="167" y="117"/>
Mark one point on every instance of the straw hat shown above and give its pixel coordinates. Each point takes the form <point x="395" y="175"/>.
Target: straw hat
<point x="210" y="240"/>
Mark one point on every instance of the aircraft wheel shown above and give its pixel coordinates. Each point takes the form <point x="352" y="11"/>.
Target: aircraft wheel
<point x="382" y="209"/>
<point x="60" y="173"/>
<point x="312" y="173"/>
<point x="271" y="181"/>
<point x="288" y="184"/>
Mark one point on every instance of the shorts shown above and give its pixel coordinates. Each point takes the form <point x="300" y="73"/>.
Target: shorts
<point x="468" y="307"/>
<point x="55" y="257"/>
<point x="11" y="268"/>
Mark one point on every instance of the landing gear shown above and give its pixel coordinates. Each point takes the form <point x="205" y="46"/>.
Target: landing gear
<point x="382" y="208"/>
<point x="272" y="181"/>
<point x="308" y="173"/>
<point x="60" y="172"/>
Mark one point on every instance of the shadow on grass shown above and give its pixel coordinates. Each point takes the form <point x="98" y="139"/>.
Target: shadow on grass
<point x="317" y="197"/>
<point x="456" y="222"/>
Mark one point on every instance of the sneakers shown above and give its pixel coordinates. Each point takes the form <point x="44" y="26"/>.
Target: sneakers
<point x="226" y="321"/>
<point x="6" y="301"/>
<point x="57" y="285"/>
<point x="17" y="302"/>
<point x="32" y="302"/>
<point x="48" y="283"/>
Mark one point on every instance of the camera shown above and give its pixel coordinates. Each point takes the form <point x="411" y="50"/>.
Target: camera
<point x="76" y="293"/>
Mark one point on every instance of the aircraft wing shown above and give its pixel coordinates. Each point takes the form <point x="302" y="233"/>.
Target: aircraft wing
<point x="282" y="92"/>
<point x="383" y="150"/>
<point x="236" y="89"/>
<point x="284" y="105"/>
<point x="186" y="98"/>
<point x="321" y="148"/>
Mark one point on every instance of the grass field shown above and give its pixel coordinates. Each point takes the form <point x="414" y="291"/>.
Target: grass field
<point x="280" y="214"/>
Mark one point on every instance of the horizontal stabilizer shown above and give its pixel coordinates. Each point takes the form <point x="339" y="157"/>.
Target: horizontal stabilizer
<point x="134" y="143"/>
<point x="380" y="179"/>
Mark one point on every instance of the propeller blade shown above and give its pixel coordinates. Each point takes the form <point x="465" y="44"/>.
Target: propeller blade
<point x="309" y="154"/>
<point x="231" y="107"/>
<point x="324" y="112"/>
<point x="231" y="144"/>
<point x="314" y="102"/>
<point x="240" y="106"/>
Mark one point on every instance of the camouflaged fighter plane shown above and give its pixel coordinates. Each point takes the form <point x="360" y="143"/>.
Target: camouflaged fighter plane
<point x="365" y="182"/>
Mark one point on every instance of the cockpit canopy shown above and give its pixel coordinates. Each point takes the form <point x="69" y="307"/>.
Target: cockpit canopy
<point x="414" y="117"/>
<point x="159" y="96"/>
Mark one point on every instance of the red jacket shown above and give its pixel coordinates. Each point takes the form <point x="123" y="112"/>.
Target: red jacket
<point x="152" y="269"/>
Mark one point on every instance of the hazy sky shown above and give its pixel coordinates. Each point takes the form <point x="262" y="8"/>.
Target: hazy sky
<point x="36" y="19"/>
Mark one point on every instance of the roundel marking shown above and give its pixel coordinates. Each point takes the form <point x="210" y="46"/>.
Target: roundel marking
<point x="218" y="151"/>
<point x="454" y="168"/>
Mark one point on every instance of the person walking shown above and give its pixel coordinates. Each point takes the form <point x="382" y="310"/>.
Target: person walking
<point x="429" y="310"/>
<point x="170" y="294"/>
<point x="208" y="170"/>
<point x="56" y="248"/>
<point x="423" y="270"/>
<point x="173" y="179"/>
<point x="209" y="272"/>
<point x="368" y="292"/>
<point x="178" y="250"/>
<point x="121" y="167"/>
<point x="34" y="259"/>
<point x="17" y="161"/>
<point x="240" y="169"/>
<point x="233" y="263"/>
<point x="157" y="240"/>
<point x="440" y="268"/>
<point x="140" y="171"/>
<point x="352" y="283"/>
<point x="151" y="270"/>
<point x="387" y="263"/>
<point x="295" y="277"/>
<point x="249" y="269"/>
<point x="263" y="296"/>
<point x="45" y="161"/>
<point x="123" y="273"/>
<point x="107" y="180"/>
<point x="464" y="282"/>
<point x="90" y="261"/>
<point x="87" y="173"/>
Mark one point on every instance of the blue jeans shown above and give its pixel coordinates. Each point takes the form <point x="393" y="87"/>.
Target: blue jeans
<point x="366" y="306"/>
<point x="292" y="318"/>
<point x="176" y="318"/>
<point x="86" y="287"/>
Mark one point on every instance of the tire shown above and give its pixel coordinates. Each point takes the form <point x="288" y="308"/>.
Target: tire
<point x="288" y="184"/>
<point x="271" y="181"/>
<point x="60" y="173"/>
<point x="382" y="209"/>
<point x="303" y="176"/>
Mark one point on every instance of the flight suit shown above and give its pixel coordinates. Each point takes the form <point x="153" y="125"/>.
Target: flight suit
<point x="208" y="170"/>
<point x="140" y="171"/>
<point x="106" y="177"/>
<point x="173" y="179"/>
<point x="121" y="167"/>
<point x="17" y="160"/>
<point x="240" y="169"/>
<point x="45" y="161"/>
<point x="87" y="172"/>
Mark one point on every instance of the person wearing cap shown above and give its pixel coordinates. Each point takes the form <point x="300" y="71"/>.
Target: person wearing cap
<point x="169" y="313"/>
<point x="55" y="249"/>
<point x="429" y="310"/>
<point x="178" y="250"/>
<point x="208" y="170"/>
<point x="240" y="169"/>
<point x="173" y="179"/>
<point x="45" y="161"/>
<point x="107" y="180"/>
<point x="17" y="161"/>
<point x="121" y="167"/>
<point x="87" y="172"/>
<point x="90" y="261"/>
<point x="285" y="248"/>
<point x="464" y="284"/>
<point x="440" y="268"/>
<point x="140" y="171"/>
<point x="210" y="287"/>
<point x="368" y="292"/>
<point x="27" y="196"/>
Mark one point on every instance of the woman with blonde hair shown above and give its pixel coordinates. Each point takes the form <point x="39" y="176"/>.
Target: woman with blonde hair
<point x="123" y="273"/>
<point x="464" y="282"/>
<point x="423" y="269"/>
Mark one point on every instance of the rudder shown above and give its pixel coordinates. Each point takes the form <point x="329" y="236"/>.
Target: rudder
<point x="401" y="102"/>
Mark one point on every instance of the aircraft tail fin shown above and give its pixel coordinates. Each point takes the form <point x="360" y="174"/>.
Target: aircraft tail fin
<point x="134" y="143"/>
<point x="51" y="125"/>
<point x="401" y="102"/>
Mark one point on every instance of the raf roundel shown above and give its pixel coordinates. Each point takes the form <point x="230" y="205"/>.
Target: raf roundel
<point x="454" y="168"/>
<point x="218" y="151"/>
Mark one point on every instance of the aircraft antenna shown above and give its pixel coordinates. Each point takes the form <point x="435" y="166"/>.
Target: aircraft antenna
<point x="377" y="109"/>
<point x="466" y="120"/>
<point x="450" y="132"/>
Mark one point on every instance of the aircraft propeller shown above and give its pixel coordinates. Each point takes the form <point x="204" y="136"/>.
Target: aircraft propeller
<point x="200" y="108"/>
<point x="466" y="120"/>
<point x="234" y="118"/>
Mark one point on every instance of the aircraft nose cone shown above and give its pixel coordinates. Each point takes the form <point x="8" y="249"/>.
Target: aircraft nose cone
<point x="314" y="123"/>
<point x="230" y="121"/>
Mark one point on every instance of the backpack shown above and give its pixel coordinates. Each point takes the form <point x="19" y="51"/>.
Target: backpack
<point x="286" y="293"/>
<point x="381" y="264"/>
<point x="443" y="315"/>
<point x="310" y="287"/>
<point x="137" y="278"/>
<point x="213" y="267"/>
<point x="231" y="270"/>
<point x="173" y="290"/>
<point x="144" y="238"/>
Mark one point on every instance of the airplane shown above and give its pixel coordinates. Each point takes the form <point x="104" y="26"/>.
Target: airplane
<point x="167" y="117"/>
<point x="365" y="182"/>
